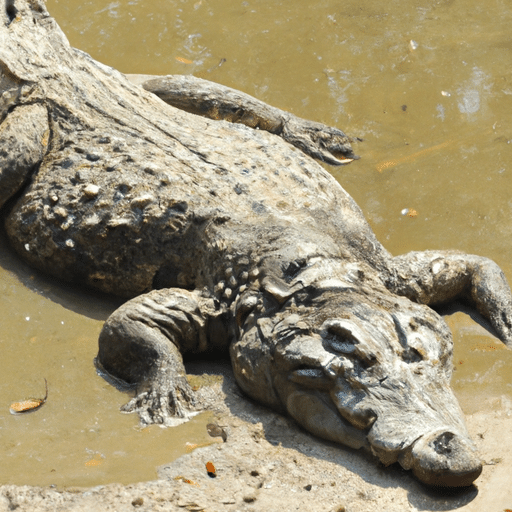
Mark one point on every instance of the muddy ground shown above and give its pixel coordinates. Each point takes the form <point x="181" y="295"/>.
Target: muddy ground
<point x="270" y="464"/>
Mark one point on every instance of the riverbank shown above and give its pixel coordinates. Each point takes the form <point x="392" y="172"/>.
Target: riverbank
<point x="268" y="463"/>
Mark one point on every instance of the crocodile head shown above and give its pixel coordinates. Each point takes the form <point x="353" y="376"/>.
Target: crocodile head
<point x="365" y="369"/>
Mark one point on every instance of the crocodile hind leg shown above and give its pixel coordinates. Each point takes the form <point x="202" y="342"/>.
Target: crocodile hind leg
<point x="141" y="343"/>
<point x="435" y="277"/>
<point x="23" y="142"/>
<point x="215" y="101"/>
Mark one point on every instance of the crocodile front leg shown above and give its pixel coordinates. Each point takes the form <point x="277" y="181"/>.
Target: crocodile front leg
<point x="436" y="277"/>
<point x="216" y="101"/>
<point x="141" y="343"/>
<point x="24" y="137"/>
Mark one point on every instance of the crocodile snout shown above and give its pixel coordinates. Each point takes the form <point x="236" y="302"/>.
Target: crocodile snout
<point x="445" y="459"/>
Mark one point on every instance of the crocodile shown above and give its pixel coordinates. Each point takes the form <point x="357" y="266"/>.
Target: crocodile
<point x="226" y="236"/>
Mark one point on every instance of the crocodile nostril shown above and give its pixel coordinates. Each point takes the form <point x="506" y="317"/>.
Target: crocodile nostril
<point x="441" y="444"/>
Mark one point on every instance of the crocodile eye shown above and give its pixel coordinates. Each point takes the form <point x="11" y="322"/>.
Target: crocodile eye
<point x="344" y="337"/>
<point x="339" y="337"/>
<point x="312" y="378"/>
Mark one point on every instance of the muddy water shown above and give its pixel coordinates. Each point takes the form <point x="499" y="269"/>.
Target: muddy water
<point x="428" y="85"/>
<point x="78" y="437"/>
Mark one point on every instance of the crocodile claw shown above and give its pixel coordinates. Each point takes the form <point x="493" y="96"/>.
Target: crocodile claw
<point x="319" y="141"/>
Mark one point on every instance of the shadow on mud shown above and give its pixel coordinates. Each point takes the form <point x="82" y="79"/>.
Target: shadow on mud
<point x="443" y="498"/>
<point x="459" y="306"/>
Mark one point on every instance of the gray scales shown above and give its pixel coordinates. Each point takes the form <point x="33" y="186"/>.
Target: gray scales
<point x="228" y="236"/>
